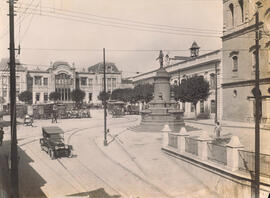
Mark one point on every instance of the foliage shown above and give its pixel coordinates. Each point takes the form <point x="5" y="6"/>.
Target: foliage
<point x="193" y="90"/>
<point x="77" y="96"/>
<point x="143" y="92"/>
<point x="26" y="96"/>
<point x="125" y="95"/>
<point x="104" y="95"/>
<point x="54" y="96"/>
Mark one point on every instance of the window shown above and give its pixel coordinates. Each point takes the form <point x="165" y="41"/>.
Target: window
<point x="192" y="108"/>
<point x="46" y="97"/>
<point x="113" y="83"/>
<point x="45" y="81"/>
<point x="90" y="82"/>
<point x="201" y="106"/>
<point x="241" y="3"/>
<point x="213" y="106"/>
<point x="37" y="97"/>
<point x="17" y="93"/>
<point x="83" y="81"/>
<point x="5" y="80"/>
<point x="109" y="69"/>
<point x="4" y="92"/>
<point x="235" y="63"/>
<point x="184" y="106"/>
<point x="90" y="97"/>
<point x="212" y="81"/>
<point x="37" y="80"/>
<point x="232" y="14"/>
<point x="234" y="93"/>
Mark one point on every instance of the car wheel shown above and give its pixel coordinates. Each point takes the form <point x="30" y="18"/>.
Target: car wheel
<point x="52" y="154"/>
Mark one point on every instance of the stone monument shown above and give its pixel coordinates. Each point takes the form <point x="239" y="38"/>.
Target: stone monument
<point x="163" y="108"/>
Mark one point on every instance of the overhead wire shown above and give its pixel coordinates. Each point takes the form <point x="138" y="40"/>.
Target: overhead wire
<point x="129" y="21"/>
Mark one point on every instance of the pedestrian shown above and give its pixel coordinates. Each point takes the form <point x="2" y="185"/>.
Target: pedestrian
<point x="1" y="135"/>
<point x="217" y="130"/>
<point x="54" y="116"/>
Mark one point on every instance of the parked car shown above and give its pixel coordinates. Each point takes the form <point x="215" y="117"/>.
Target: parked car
<point x="53" y="142"/>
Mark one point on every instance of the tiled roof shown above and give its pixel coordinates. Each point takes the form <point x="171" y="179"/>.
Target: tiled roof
<point x="99" y="68"/>
<point x="5" y="66"/>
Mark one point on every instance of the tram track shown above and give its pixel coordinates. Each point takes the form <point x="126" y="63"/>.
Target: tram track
<point x="63" y="163"/>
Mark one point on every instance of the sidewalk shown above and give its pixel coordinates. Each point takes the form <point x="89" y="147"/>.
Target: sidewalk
<point x="4" y="173"/>
<point x="245" y="132"/>
<point x="225" y="123"/>
<point x="141" y="154"/>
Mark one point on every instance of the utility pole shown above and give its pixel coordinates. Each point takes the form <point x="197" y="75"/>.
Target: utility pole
<point x="216" y="93"/>
<point x="258" y="108"/>
<point x="104" y="100"/>
<point x="12" y="65"/>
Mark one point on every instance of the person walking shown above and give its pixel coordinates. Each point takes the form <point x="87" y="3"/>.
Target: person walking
<point x="217" y="130"/>
<point x="54" y="116"/>
<point x="1" y="135"/>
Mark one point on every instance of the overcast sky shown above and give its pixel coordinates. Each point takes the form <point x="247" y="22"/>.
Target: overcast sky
<point x="112" y="24"/>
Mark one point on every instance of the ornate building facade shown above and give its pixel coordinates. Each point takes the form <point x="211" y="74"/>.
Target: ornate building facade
<point x="201" y="65"/>
<point x="62" y="78"/>
<point x="238" y="57"/>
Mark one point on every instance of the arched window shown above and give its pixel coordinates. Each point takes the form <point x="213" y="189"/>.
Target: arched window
<point x="212" y="82"/>
<point x="232" y="14"/>
<point x="241" y="3"/>
<point x="235" y="63"/>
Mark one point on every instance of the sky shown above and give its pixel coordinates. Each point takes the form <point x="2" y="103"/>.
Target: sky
<point x="132" y="32"/>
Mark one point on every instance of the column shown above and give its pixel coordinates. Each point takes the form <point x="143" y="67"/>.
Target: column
<point x="232" y="153"/>
<point x="202" y="145"/>
<point x="165" y="135"/>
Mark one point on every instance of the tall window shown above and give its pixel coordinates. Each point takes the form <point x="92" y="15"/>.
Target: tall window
<point x="241" y="3"/>
<point x="213" y="106"/>
<point x="232" y="14"/>
<point x="37" y="80"/>
<point x="37" y="97"/>
<point x="202" y="106"/>
<point x="192" y="108"/>
<point x="212" y="81"/>
<point x="90" y="82"/>
<point x="83" y="81"/>
<point x="45" y="81"/>
<point x="46" y="97"/>
<point x="235" y="63"/>
<point x="113" y="83"/>
<point x="109" y="84"/>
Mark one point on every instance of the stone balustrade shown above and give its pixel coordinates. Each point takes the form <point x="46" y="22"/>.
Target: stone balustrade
<point x="203" y="147"/>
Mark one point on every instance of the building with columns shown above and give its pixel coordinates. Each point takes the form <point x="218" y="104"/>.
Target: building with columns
<point x="181" y="67"/>
<point x="62" y="78"/>
<point x="239" y="60"/>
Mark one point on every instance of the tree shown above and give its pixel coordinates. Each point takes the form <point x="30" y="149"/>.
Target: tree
<point x="143" y="92"/>
<point x="104" y="95"/>
<point x="26" y="96"/>
<point x="77" y="96"/>
<point x="193" y="90"/>
<point x="125" y="95"/>
<point x="54" y="96"/>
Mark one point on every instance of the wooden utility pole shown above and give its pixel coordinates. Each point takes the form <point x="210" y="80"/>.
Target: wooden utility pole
<point x="257" y="109"/>
<point x="12" y="66"/>
<point x="104" y="100"/>
<point x="216" y="93"/>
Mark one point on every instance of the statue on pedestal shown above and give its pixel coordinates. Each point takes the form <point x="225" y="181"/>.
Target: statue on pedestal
<point x="160" y="58"/>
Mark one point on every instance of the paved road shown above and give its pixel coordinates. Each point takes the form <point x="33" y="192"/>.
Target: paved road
<point x="132" y="166"/>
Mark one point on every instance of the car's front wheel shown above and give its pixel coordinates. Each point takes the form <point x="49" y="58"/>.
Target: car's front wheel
<point x="52" y="154"/>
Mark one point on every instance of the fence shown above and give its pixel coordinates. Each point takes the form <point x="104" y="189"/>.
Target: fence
<point x="217" y="153"/>
<point x="191" y="145"/>
<point x="247" y="162"/>
<point x="173" y="141"/>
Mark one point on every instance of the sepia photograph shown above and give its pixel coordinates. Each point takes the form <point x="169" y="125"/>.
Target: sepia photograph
<point x="135" y="99"/>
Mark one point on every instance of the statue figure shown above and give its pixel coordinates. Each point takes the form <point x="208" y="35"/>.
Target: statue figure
<point x="160" y="58"/>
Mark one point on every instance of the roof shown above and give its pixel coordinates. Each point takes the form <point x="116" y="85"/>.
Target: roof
<point x="52" y="130"/>
<point x="99" y="68"/>
<point x="4" y="66"/>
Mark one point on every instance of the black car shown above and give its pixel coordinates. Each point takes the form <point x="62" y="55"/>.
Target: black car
<point x="53" y="142"/>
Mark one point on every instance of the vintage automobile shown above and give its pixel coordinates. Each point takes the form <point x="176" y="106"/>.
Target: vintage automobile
<point x="53" y="142"/>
